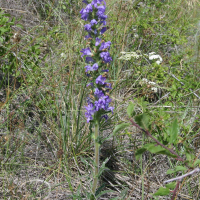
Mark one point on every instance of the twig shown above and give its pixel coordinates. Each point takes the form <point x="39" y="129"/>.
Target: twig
<point x="175" y="190"/>
<point x="179" y="178"/>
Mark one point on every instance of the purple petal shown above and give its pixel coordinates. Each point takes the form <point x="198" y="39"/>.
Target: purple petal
<point x="86" y="52"/>
<point x="98" y="40"/>
<point x="106" y="57"/>
<point x="93" y="22"/>
<point x="103" y="30"/>
<point x="88" y="27"/>
<point x="100" y="80"/>
<point x="105" y="45"/>
<point x="89" y="59"/>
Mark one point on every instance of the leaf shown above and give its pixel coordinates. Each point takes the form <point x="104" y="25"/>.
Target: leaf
<point x="171" y="185"/>
<point x="196" y="162"/>
<point x="142" y="120"/>
<point x="123" y="193"/>
<point x="130" y="109"/>
<point x="170" y="171"/>
<point x="167" y="153"/>
<point x="180" y="168"/>
<point x="120" y="127"/>
<point x="139" y="152"/>
<point x="19" y="25"/>
<point x="177" y="168"/>
<point x="158" y="150"/>
<point x="189" y="157"/>
<point x="173" y="131"/>
<point x="153" y="148"/>
<point x="162" y="192"/>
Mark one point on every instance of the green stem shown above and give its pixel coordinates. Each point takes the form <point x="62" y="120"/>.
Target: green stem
<point x="96" y="147"/>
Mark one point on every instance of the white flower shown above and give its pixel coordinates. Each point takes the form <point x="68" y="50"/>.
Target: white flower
<point x="63" y="55"/>
<point x="129" y="55"/>
<point x="151" y="83"/>
<point x="143" y="81"/>
<point x="152" y="56"/>
<point x="154" y="89"/>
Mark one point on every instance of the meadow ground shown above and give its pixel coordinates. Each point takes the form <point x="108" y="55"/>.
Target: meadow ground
<point x="46" y="145"/>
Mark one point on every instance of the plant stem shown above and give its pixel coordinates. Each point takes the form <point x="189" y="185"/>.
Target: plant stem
<point x="96" y="147"/>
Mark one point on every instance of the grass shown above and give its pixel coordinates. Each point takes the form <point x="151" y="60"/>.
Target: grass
<point x="46" y="146"/>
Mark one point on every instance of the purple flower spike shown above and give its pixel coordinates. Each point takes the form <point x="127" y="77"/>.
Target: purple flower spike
<point x="106" y="57"/>
<point x="86" y="52"/>
<point x="96" y="57"/>
<point x="100" y="80"/>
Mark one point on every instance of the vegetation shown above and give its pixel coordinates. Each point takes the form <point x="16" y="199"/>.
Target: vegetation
<point x="46" y="145"/>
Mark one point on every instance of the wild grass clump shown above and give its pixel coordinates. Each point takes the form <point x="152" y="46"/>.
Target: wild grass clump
<point x="149" y="146"/>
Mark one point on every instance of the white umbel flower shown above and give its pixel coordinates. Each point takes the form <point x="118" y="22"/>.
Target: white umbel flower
<point x="152" y="56"/>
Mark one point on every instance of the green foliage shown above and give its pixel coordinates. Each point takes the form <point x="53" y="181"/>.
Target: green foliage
<point x="142" y="120"/>
<point x="130" y="109"/>
<point x="177" y="168"/>
<point x="162" y="192"/>
<point x="120" y="127"/>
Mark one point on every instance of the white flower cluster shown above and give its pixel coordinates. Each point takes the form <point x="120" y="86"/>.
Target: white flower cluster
<point x="144" y="81"/>
<point x="129" y="55"/>
<point x="136" y="55"/>
<point x="152" y="56"/>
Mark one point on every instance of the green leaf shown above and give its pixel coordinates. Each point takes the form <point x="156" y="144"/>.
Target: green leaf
<point x="170" y="171"/>
<point x="139" y="152"/>
<point x="157" y="149"/>
<point x="171" y="185"/>
<point x="177" y="168"/>
<point x="162" y="192"/>
<point x="130" y="109"/>
<point x="189" y="157"/>
<point x="120" y="127"/>
<point x="167" y="153"/>
<point x="173" y="131"/>
<point x="196" y="162"/>
<point x="142" y="120"/>
<point x="152" y="148"/>
<point x="19" y="25"/>
<point x="180" y="168"/>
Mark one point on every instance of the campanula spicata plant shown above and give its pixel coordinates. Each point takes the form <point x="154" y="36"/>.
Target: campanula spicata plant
<point x="97" y="58"/>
